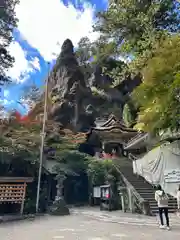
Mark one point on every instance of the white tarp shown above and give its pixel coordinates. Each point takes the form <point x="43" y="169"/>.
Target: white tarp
<point x="161" y="166"/>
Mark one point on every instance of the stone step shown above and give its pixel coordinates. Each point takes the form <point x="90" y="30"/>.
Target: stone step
<point x="145" y="193"/>
<point x="142" y="185"/>
<point x="151" y="198"/>
<point x="170" y="199"/>
<point x="139" y="182"/>
<point x="135" y="178"/>
<point x="152" y="204"/>
<point x="148" y="191"/>
<point x="146" y="196"/>
<point x="145" y="189"/>
<point x="155" y="208"/>
<point x="155" y="211"/>
<point x="145" y="184"/>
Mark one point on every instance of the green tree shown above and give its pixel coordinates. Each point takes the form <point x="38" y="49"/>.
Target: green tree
<point x="133" y="28"/>
<point x="129" y="114"/>
<point x="146" y="32"/>
<point x="159" y="94"/>
<point x="8" y="22"/>
<point x="20" y="147"/>
<point x="136" y="24"/>
<point x="102" y="172"/>
<point x="84" y="50"/>
<point x="98" y="53"/>
<point x="30" y="96"/>
<point x="22" y="141"/>
<point x="84" y="53"/>
<point x="103" y="49"/>
<point x="70" y="163"/>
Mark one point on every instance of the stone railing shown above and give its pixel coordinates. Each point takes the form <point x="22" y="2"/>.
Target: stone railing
<point x="136" y="202"/>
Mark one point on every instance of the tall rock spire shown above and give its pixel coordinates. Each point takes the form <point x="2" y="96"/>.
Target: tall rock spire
<point x="68" y="89"/>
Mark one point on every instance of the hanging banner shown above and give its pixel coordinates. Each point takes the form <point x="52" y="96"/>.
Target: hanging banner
<point x="172" y="176"/>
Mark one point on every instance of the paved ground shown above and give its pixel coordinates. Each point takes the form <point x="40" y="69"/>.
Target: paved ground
<point x="83" y="225"/>
<point x="125" y="218"/>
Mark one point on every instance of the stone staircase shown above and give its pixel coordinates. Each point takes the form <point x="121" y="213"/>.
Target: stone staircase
<point x="143" y="188"/>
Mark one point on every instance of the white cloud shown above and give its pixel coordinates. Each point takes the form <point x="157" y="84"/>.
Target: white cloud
<point x="5" y="99"/>
<point x="22" y="67"/>
<point x="6" y="93"/>
<point x="21" y="64"/>
<point x="45" y="23"/>
<point x="8" y="102"/>
<point x="35" y="64"/>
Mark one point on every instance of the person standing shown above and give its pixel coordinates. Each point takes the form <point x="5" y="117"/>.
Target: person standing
<point x="178" y="199"/>
<point x="162" y="201"/>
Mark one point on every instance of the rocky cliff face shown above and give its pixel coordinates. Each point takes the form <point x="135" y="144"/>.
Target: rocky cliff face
<point x="74" y="103"/>
<point x="69" y="92"/>
<point x="113" y="99"/>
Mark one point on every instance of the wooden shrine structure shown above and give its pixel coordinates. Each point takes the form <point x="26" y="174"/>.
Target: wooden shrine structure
<point x="114" y="134"/>
<point x="114" y="130"/>
<point x="13" y="190"/>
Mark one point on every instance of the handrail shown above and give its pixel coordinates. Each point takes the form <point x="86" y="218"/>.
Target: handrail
<point x="142" y="204"/>
<point x="138" y="137"/>
<point x="128" y="184"/>
<point x="132" y="157"/>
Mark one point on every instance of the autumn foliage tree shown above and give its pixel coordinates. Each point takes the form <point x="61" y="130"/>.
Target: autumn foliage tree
<point x="21" y="139"/>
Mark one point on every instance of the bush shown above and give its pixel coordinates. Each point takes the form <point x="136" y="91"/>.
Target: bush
<point x="102" y="172"/>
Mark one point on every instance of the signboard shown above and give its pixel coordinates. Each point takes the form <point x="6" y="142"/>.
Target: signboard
<point x="96" y="192"/>
<point x="172" y="176"/>
<point x="12" y="193"/>
<point x="105" y="192"/>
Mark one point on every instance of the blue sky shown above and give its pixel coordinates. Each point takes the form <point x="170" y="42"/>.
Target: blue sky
<point x="43" y="26"/>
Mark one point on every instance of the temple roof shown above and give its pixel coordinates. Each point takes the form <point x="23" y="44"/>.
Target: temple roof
<point x="16" y="179"/>
<point x="114" y="130"/>
<point x="113" y="123"/>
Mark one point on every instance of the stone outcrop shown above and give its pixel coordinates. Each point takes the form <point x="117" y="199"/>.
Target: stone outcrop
<point x="69" y="92"/>
<point x="111" y="98"/>
<point x="74" y="104"/>
<point x="119" y="93"/>
<point x="129" y="84"/>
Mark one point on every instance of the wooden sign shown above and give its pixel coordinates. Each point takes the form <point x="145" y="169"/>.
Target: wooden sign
<point x="13" y="193"/>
